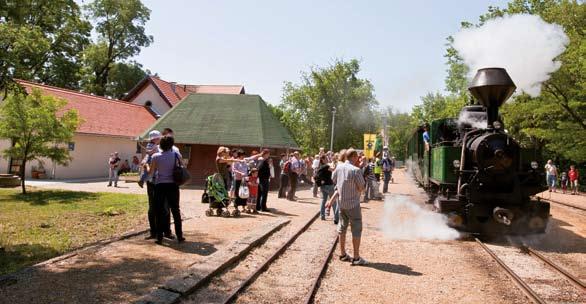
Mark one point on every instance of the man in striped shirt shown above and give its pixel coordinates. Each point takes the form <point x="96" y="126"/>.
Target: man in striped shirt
<point x="350" y="183"/>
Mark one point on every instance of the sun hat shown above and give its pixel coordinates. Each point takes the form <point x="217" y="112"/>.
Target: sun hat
<point x="154" y="134"/>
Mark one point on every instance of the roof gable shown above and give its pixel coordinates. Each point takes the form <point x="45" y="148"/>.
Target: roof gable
<point x="225" y="119"/>
<point x="173" y="93"/>
<point x="101" y="116"/>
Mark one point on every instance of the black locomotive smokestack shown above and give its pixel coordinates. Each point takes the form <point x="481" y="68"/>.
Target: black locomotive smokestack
<point x="492" y="87"/>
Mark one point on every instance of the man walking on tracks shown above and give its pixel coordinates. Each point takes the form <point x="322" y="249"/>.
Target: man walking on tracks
<point x="350" y="183"/>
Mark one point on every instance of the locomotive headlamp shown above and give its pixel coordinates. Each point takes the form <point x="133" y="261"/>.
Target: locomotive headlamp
<point x="456" y="163"/>
<point x="534" y="165"/>
<point x="497" y="125"/>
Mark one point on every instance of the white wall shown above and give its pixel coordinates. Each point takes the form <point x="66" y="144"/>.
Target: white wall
<point x="3" y="162"/>
<point x="150" y="93"/>
<point x="90" y="157"/>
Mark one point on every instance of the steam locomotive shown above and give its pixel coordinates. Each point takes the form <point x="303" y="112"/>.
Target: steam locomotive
<point x="476" y="173"/>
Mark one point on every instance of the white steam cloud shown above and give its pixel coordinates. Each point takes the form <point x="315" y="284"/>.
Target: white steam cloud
<point x="403" y="219"/>
<point x="525" y="45"/>
<point x="476" y="121"/>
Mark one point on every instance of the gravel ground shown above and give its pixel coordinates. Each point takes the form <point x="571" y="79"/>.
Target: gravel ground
<point x="123" y="271"/>
<point x="548" y="284"/>
<point x="415" y="271"/>
<point x="289" y="278"/>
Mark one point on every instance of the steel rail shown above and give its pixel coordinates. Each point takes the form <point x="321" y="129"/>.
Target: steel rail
<point x="530" y="293"/>
<point x="235" y="292"/>
<point x="573" y="279"/>
<point x="324" y="267"/>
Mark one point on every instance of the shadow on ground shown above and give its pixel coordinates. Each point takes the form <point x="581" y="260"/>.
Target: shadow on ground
<point x="394" y="268"/>
<point x="42" y="197"/>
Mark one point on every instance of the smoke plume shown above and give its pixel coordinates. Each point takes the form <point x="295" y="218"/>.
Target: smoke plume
<point x="475" y="121"/>
<point x="525" y="45"/>
<point x="403" y="219"/>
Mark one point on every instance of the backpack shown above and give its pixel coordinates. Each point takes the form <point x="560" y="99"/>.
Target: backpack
<point x="287" y="167"/>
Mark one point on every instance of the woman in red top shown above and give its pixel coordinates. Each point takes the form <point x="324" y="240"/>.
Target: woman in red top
<point x="574" y="176"/>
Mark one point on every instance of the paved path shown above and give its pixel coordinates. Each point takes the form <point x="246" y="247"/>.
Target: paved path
<point x="567" y="198"/>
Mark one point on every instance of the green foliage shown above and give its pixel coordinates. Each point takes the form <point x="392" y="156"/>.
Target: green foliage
<point x="41" y="40"/>
<point x="121" y="34"/>
<point x="436" y="106"/>
<point x="38" y="126"/>
<point x="123" y="77"/>
<point x="307" y="107"/>
<point x="400" y="127"/>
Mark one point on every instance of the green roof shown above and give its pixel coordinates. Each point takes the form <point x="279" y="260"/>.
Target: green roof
<point x="225" y="119"/>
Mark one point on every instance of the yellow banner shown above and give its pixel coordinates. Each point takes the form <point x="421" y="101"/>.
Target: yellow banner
<point x="369" y="141"/>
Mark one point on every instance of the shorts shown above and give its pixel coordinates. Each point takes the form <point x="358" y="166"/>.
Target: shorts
<point x="574" y="183"/>
<point x="352" y="217"/>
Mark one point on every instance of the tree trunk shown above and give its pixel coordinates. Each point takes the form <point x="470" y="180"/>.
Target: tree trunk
<point x="22" y="175"/>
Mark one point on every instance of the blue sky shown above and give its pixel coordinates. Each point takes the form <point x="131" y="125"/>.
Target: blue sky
<point x="261" y="44"/>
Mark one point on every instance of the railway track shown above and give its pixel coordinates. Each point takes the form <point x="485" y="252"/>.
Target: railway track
<point x="240" y="272"/>
<point x="522" y="284"/>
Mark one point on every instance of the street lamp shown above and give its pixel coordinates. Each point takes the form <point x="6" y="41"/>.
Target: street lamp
<point x="333" y="122"/>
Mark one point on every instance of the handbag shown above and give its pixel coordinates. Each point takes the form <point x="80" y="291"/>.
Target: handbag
<point x="180" y="173"/>
<point x="243" y="192"/>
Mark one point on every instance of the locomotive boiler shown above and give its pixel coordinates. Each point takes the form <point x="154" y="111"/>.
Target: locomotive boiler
<point x="477" y="174"/>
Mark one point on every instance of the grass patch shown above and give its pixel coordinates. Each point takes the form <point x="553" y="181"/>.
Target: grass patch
<point x="46" y="223"/>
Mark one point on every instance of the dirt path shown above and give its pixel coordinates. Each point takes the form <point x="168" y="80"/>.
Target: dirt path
<point x="126" y="270"/>
<point x="405" y="271"/>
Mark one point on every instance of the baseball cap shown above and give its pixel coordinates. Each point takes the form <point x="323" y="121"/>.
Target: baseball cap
<point x="154" y="134"/>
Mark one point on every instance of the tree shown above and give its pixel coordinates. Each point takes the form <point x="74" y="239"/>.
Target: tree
<point x="436" y="106"/>
<point x="121" y="34"/>
<point x="308" y="107"/>
<point x="41" y="41"/>
<point x="400" y="129"/>
<point x="38" y="126"/>
<point x="123" y="77"/>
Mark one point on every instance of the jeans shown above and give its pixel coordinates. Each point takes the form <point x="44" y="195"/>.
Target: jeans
<point x="326" y="192"/>
<point x="386" y="181"/>
<point x="293" y="178"/>
<point x="169" y="193"/>
<point x="284" y="183"/>
<point x="263" y="193"/>
<point x="113" y="176"/>
<point x="551" y="180"/>
<point x="368" y="191"/>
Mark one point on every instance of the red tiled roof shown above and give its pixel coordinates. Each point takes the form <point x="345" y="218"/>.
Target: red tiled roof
<point x="101" y="116"/>
<point x="174" y="93"/>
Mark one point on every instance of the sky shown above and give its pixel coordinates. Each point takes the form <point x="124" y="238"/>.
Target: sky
<point x="262" y="44"/>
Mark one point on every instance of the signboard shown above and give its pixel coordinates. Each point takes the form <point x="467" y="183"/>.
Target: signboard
<point x="369" y="142"/>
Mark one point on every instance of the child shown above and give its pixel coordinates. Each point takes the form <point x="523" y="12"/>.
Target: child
<point x="151" y="148"/>
<point x="574" y="176"/>
<point x="564" y="182"/>
<point x="253" y="191"/>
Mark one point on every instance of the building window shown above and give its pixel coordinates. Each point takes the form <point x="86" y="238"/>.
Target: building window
<point x="148" y="103"/>
<point x="71" y="146"/>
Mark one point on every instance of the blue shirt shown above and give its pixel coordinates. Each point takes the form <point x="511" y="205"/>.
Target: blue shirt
<point x="426" y="137"/>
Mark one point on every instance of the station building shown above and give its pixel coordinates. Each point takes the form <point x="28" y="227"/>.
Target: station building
<point x="203" y="122"/>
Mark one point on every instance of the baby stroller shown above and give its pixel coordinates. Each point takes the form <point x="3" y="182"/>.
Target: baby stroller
<point x="216" y="195"/>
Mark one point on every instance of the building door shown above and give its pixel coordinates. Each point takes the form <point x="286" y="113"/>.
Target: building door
<point x="14" y="166"/>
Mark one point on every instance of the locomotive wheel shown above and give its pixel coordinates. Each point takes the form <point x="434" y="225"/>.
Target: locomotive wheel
<point x="209" y="212"/>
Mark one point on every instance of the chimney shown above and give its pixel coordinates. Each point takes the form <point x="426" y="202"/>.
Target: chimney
<point x="174" y="87"/>
<point x="492" y="87"/>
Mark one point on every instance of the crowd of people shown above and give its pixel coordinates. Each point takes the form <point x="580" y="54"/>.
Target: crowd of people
<point x="567" y="180"/>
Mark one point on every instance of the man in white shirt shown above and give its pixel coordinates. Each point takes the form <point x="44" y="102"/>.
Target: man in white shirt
<point x="315" y="167"/>
<point x="551" y="174"/>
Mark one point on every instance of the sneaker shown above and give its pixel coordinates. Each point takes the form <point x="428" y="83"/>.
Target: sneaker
<point x="335" y="222"/>
<point x="359" y="262"/>
<point x="159" y="241"/>
<point x="180" y="240"/>
<point x="110" y="185"/>
<point x="345" y="258"/>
